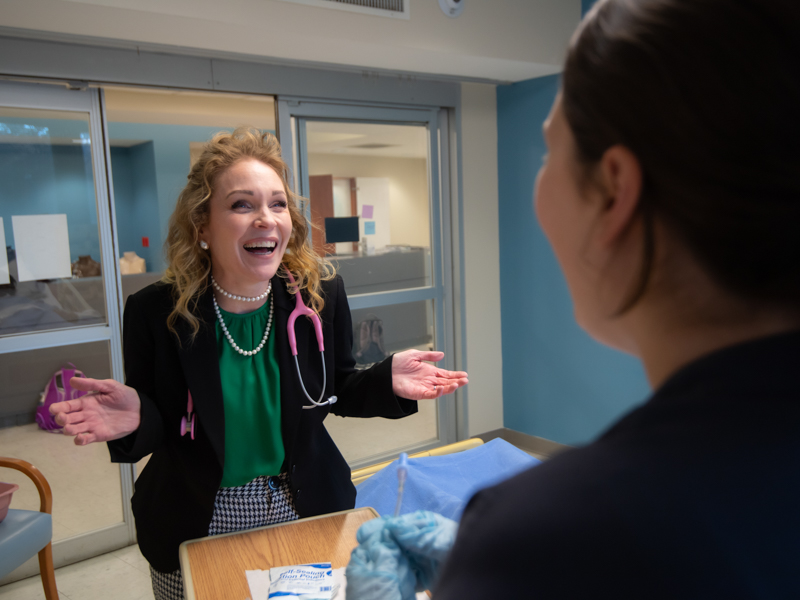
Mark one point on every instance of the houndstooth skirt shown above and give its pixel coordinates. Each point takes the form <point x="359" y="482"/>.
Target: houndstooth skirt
<point x="263" y="501"/>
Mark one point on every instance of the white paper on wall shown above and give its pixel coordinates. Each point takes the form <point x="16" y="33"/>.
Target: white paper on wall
<point x="42" y="245"/>
<point x="3" y="256"/>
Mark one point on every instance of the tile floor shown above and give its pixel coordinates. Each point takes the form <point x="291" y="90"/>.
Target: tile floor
<point x="120" y="575"/>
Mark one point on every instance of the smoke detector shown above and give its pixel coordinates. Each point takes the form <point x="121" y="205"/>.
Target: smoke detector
<point x="452" y="8"/>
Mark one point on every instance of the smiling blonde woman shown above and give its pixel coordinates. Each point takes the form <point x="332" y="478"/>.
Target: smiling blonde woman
<point x="212" y="387"/>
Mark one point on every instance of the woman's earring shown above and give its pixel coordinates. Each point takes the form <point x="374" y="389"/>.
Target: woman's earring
<point x="203" y="245"/>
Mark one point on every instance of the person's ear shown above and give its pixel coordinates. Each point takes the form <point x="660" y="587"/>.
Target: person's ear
<point x="621" y="182"/>
<point x="202" y="237"/>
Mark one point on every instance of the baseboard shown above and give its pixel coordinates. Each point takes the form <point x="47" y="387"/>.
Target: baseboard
<point x="530" y="443"/>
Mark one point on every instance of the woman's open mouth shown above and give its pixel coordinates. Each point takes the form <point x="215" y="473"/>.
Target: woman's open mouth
<point x="261" y="248"/>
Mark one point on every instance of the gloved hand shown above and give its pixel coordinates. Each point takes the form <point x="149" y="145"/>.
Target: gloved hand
<point x="425" y="538"/>
<point x="398" y="556"/>
<point x="378" y="570"/>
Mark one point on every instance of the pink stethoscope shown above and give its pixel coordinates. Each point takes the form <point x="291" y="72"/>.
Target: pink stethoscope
<point x="302" y="309"/>
<point x="188" y="422"/>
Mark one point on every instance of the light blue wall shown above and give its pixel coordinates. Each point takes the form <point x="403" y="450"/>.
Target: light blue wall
<point x="169" y="151"/>
<point x="40" y="179"/>
<point x="558" y="383"/>
<point x="54" y="177"/>
<point x="136" y="202"/>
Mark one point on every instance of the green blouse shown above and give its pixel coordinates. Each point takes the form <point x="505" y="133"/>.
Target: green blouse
<point x="251" y="394"/>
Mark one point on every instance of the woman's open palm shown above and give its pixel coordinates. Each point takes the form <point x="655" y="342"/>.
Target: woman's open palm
<point x="413" y="376"/>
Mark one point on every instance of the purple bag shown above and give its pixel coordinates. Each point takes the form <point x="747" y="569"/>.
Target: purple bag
<point x="57" y="390"/>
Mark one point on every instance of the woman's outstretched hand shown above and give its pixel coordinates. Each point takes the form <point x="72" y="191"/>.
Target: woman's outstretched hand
<point x="416" y="379"/>
<point x="108" y="412"/>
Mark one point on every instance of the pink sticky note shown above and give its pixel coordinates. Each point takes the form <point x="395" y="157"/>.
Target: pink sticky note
<point x="366" y="211"/>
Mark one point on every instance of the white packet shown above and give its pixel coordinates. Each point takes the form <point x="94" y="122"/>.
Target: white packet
<point x="302" y="582"/>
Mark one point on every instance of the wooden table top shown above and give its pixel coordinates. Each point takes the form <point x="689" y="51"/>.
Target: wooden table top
<point x="213" y="567"/>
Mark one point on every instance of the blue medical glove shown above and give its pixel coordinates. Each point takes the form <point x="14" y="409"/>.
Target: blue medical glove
<point x="378" y="570"/>
<point x="425" y="538"/>
<point x="398" y="556"/>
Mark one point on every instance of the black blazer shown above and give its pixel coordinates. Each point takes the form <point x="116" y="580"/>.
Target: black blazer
<point x="693" y="495"/>
<point x="174" y="495"/>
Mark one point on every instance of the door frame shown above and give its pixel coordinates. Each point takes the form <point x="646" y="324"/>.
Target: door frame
<point x="79" y="97"/>
<point x="292" y="115"/>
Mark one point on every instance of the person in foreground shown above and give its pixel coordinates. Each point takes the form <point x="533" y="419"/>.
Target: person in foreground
<point x="671" y="197"/>
<point x="234" y="422"/>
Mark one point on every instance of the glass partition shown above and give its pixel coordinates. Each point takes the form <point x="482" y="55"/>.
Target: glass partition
<point x="85" y="483"/>
<point x="377" y="333"/>
<point x="58" y="308"/>
<point x="373" y="179"/>
<point x="50" y="265"/>
<point x="374" y="176"/>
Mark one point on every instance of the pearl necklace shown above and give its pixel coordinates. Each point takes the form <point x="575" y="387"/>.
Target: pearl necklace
<point x="230" y="337"/>
<point x="242" y="298"/>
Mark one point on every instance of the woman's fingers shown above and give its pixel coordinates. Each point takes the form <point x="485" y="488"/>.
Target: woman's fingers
<point x="442" y="388"/>
<point x="62" y="419"/>
<point x="58" y="408"/>
<point x="76" y="428"/>
<point x="453" y="374"/>
<point x="431" y="356"/>
<point x="82" y="439"/>
<point x="87" y="384"/>
<point x="445" y="374"/>
<point x="68" y="411"/>
<point x="450" y="383"/>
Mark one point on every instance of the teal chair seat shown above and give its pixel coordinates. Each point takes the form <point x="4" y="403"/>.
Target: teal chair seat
<point x="23" y="533"/>
<point x="26" y="533"/>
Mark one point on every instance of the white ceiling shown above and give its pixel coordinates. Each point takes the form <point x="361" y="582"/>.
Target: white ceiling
<point x="400" y="141"/>
<point x="493" y="40"/>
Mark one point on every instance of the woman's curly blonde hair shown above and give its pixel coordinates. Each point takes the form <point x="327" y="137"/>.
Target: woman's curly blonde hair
<point x="189" y="266"/>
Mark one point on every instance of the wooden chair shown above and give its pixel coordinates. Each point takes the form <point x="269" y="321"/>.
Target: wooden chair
<point x="360" y="475"/>
<point x="24" y="533"/>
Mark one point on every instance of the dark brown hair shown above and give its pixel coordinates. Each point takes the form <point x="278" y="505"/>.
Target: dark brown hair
<point x="706" y="93"/>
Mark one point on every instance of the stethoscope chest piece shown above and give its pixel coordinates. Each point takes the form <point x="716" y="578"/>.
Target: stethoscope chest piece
<point x="187" y="422"/>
